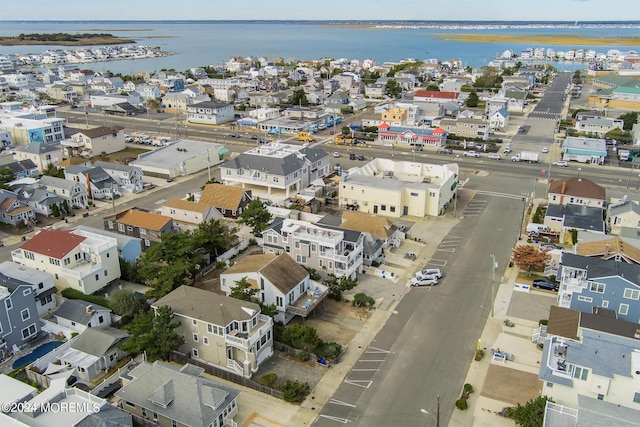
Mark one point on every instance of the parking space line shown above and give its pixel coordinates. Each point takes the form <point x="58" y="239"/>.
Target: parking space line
<point x="341" y="403"/>
<point x="336" y="419"/>
<point x="438" y="262"/>
<point x="370" y="360"/>
<point x="377" y="350"/>
<point x="449" y="250"/>
<point x="364" y="370"/>
<point x="357" y="383"/>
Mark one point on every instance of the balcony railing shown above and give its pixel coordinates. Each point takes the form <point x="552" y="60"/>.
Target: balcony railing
<point x="308" y="301"/>
<point x="235" y="366"/>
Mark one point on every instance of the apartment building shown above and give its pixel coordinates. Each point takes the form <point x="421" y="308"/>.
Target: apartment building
<point x="226" y="332"/>
<point x="76" y="259"/>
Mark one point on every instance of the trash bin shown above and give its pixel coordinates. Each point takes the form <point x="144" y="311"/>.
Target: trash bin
<point x="85" y="214"/>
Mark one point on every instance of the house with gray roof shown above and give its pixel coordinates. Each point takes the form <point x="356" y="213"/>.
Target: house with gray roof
<point x="277" y="166"/>
<point x="39" y="198"/>
<point x="128" y="177"/>
<point x="624" y="213"/>
<point x="167" y="395"/>
<point x="42" y="155"/>
<point x="73" y="192"/>
<point x="98" y="183"/>
<point x="20" y="168"/>
<point x="599" y="126"/>
<point x="210" y="113"/>
<point x="282" y="282"/>
<point x="584" y="150"/>
<point x="225" y="332"/>
<point x="593" y="356"/>
<point x="41" y="283"/>
<point x="94" y="351"/>
<point x="79" y="315"/>
<point x="327" y="249"/>
<point x="589" y="284"/>
<point x="590" y="412"/>
<point x="13" y="211"/>
<point x="562" y="218"/>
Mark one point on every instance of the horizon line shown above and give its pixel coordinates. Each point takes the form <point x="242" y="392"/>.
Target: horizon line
<point x="326" y="20"/>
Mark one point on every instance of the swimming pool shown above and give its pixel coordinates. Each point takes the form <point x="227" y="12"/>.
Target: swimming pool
<point x="36" y="353"/>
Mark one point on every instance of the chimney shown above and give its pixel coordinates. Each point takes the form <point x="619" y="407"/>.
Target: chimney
<point x="89" y="186"/>
<point x="564" y="187"/>
<point x="89" y="309"/>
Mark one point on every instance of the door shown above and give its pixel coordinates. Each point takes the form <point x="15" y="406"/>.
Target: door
<point x="375" y="209"/>
<point x="405" y="210"/>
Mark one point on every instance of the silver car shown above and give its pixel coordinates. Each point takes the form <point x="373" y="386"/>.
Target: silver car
<point x="430" y="272"/>
<point x="424" y="281"/>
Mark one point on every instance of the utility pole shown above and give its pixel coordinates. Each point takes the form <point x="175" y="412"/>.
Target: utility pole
<point x="494" y="266"/>
<point x="438" y="411"/>
<point x="113" y="198"/>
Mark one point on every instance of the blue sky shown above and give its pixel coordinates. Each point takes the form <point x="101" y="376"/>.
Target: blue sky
<point x="525" y="10"/>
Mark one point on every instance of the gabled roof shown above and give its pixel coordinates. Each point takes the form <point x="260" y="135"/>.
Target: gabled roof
<point x="207" y="306"/>
<point x="223" y="196"/>
<point x="142" y="219"/>
<point x="275" y="166"/>
<point x="76" y="310"/>
<point x="100" y="131"/>
<point x="373" y="224"/>
<point x="563" y="322"/>
<point x="624" y="206"/>
<point x="610" y="248"/>
<point x="577" y="187"/>
<point x="53" y="243"/>
<point x="187" y="205"/>
<point x="113" y="166"/>
<point x="37" y="148"/>
<point x="281" y="270"/>
<point x="51" y="181"/>
<point x="96" y="341"/>
<point x="209" y="104"/>
<point x="597" y="268"/>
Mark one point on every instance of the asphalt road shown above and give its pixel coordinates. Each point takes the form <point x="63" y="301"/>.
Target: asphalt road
<point x="550" y="105"/>
<point x="425" y="349"/>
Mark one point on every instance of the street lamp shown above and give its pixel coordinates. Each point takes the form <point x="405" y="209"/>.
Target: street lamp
<point x="437" y="415"/>
<point x="494" y="266"/>
<point x="579" y="170"/>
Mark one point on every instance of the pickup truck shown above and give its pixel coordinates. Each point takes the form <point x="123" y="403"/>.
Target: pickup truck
<point x="471" y="154"/>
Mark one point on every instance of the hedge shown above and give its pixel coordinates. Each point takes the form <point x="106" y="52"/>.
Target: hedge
<point x="70" y="293"/>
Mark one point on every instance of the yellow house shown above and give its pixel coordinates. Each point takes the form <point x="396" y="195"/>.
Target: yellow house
<point x="394" y="189"/>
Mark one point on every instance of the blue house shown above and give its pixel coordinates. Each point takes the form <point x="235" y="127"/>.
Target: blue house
<point x="129" y="247"/>
<point x="588" y="284"/>
<point x="19" y="321"/>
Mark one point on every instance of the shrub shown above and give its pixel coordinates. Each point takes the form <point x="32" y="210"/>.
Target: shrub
<point x="543" y="322"/>
<point x="268" y="380"/>
<point x="479" y="354"/>
<point x="362" y="299"/>
<point x="462" y="404"/>
<point x="329" y="350"/>
<point x="303" y="356"/>
<point x="468" y="388"/>
<point x="295" y="392"/>
<point x="70" y="293"/>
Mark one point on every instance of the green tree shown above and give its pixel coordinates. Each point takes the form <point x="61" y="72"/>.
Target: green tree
<point x="490" y="78"/>
<point x="532" y="413"/>
<point x="6" y="176"/>
<point x="337" y="285"/>
<point x="256" y="216"/>
<point x="433" y="87"/>
<point x="294" y="391"/>
<point x="393" y="88"/>
<point x="630" y="119"/>
<point x="123" y="302"/>
<point x="298" y="97"/>
<point x="472" y="99"/>
<point x="65" y="206"/>
<point x="268" y="309"/>
<point x="156" y="335"/>
<point x="55" y="211"/>
<point x="213" y="237"/>
<point x="301" y="337"/>
<point x="243" y="290"/>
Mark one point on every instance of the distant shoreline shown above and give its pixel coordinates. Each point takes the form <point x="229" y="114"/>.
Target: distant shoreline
<point x="552" y="39"/>
<point x="74" y="40"/>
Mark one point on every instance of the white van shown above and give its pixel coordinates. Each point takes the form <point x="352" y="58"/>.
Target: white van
<point x="536" y="228"/>
<point x="435" y="272"/>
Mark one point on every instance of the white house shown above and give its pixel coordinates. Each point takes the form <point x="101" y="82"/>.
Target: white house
<point x="78" y="315"/>
<point x="210" y="113"/>
<point x="281" y="281"/>
<point x="94" y="142"/>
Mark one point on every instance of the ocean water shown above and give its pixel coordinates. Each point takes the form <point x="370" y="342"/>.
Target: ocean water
<point x="210" y="43"/>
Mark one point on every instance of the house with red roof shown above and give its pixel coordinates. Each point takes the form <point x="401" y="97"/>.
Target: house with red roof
<point x="437" y="97"/>
<point x="415" y="136"/>
<point x="77" y="259"/>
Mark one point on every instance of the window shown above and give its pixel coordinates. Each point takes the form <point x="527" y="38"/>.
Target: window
<point x="291" y="298"/>
<point x="147" y="243"/>
<point x="313" y="247"/>
<point x="287" y="249"/>
<point x="209" y="328"/>
<point x="29" y="255"/>
<point x="432" y="194"/>
<point x="383" y="207"/>
<point x="580" y="373"/>
<point x="605" y="304"/>
<point x="297" y="245"/>
<point x="26" y="292"/>
<point x="29" y="331"/>
<point x="8" y="303"/>
<point x="279" y="301"/>
<point x="144" y="412"/>
<point x="110" y="224"/>
<point x="106" y="273"/>
<point x="194" y="322"/>
<point x="596" y="287"/>
<point x="54" y="261"/>
<point x="121" y="228"/>
<point x="194" y="352"/>
<point x="25" y="314"/>
<point x="97" y="277"/>
<point x="143" y="231"/>
<point x="301" y="259"/>
<point x="632" y="293"/>
<point x="623" y="309"/>
<point x="131" y="404"/>
<point x="636" y="397"/>
<point x="205" y="340"/>
<point x="585" y="299"/>
<point x="392" y="208"/>
<point x="66" y="261"/>
<point x="174" y="423"/>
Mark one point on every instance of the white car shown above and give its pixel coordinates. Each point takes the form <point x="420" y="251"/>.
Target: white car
<point x="545" y="150"/>
<point x="562" y="163"/>
<point x="471" y="154"/>
<point x="424" y="281"/>
<point x="494" y="157"/>
<point x="508" y="149"/>
<point x="388" y="145"/>
<point x="435" y="272"/>
<point x="336" y="154"/>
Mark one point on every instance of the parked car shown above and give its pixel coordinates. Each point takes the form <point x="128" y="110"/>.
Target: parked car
<point x="336" y="154"/>
<point x="360" y="157"/>
<point x="388" y="145"/>
<point x="234" y="135"/>
<point x="446" y="151"/>
<point x="337" y="167"/>
<point x="545" y="149"/>
<point x="471" y="154"/>
<point x="545" y="284"/>
<point x="562" y="163"/>
<point x="352" y="156"/>
<point x="424" y="281"/>
<point x="494" y="157"/>
<point x="435" y="272"/>
<point x="256" y="137"/>
<point x="508" y="149"/>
